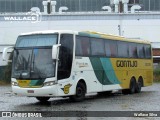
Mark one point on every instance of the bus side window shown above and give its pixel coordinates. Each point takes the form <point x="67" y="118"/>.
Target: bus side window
<point x="82" y="46"/>
<point x="148" y="51"/>
<point x="123" y="49"/>
<point x="97" y="47"/>
<point x="107" y="48"/>
<point x="113" y="48"/>
<point x="140" y="51"/>
<point x="133" y="50"/>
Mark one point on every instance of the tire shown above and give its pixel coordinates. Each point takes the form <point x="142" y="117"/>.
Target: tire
<point x="43" y="99"/>
<point x="132" y="86"/>
<point x="139" y="85"/>
<point x="80" y="93"/>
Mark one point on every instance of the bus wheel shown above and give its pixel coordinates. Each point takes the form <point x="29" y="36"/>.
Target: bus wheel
<point x="80" y="92"/>
<point x="43" y="99"/>
<point x="139" y="85"/>
<point x="132" y="88"/>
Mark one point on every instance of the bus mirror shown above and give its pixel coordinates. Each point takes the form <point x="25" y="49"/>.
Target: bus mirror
<point x="55" y="51"/>
<point x="4" y="54"/>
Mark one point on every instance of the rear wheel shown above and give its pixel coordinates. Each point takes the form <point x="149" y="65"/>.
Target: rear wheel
<point x="43" y="99"/>
<point x="139" y="85"/>
<point x="132" y="87"/>
<point x="80" y="92"/>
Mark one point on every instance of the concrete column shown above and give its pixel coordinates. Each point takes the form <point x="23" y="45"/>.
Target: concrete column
<point x="125" y="5"/>
<point x="45" y="6"/>
<point x="116" y="3"/>
<point x="53" y="4"/>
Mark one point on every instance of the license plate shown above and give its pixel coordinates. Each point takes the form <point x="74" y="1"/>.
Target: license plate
<point x="30" y="91"/>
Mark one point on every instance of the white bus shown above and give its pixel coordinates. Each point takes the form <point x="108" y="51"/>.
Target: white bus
<point x="70" y="64"/>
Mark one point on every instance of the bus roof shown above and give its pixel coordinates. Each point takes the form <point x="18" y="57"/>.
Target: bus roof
<point x="89" y="34"/>
<point x="112" y="37"/>
<point x="49" y="32"/>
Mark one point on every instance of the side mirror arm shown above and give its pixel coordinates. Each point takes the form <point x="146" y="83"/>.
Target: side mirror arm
<point x="55" y="51"/>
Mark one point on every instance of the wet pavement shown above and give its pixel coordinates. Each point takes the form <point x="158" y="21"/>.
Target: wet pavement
<point x="147" y="100"/>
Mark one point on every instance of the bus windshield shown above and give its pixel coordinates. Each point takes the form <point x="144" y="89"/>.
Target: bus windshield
<point x="32" y="57"/>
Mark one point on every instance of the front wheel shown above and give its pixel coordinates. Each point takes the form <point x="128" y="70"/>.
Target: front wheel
<point x="43" y="99"/>
<point x="80" y="93"/>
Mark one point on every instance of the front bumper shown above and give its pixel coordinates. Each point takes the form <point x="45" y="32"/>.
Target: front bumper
<point x="47" y="91"/>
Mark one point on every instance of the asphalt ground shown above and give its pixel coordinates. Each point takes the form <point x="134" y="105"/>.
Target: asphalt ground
<point x="94" y="105"/>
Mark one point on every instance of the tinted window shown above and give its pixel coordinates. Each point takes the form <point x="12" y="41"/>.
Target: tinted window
<point x="82" y="46"/>
<point x="133" y="50"/>
<point x="97" y="47"/>
<point x="123" y="49"/>
<point x="110" y="48"/>
<point x="65" y="56"/>
<point x="148" y="51"/>
<point x="140" y="51"/>
<point x="36" y="40"/>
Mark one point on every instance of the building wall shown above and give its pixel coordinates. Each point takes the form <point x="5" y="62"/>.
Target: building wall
<point x="138" y="26"/>
<point x="156" y="51"/>
<point x="131" y="25"/>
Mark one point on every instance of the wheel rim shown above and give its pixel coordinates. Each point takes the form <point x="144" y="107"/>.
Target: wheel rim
<point x="79" y="91"/>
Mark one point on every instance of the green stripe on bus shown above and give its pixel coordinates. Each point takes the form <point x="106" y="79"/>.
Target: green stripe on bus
<point x="99" y="71"/>
<point x="89" y="34"/>
<point x="36" y="82"/>
<point x="84" y="34"/>
<point x="95" y="36"/>
<point x="109" y="71"/>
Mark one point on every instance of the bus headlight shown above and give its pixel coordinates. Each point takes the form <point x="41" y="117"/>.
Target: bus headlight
<point x="14" y="83"/>
<point x="50" y="83"/>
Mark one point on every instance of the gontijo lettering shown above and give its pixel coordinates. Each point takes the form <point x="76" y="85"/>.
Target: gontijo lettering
<point x="126" y="63"/>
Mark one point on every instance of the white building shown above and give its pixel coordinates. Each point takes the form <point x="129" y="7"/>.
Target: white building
<point x="139" y="19"/>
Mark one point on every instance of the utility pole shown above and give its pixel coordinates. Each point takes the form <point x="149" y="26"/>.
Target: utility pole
<point x="119" y="29"/>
